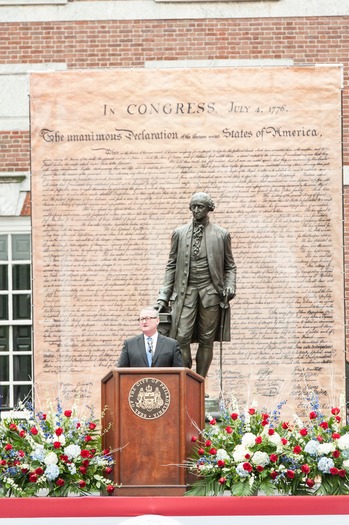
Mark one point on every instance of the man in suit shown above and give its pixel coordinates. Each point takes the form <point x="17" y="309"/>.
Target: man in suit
<point x="150" y="348"/>
<point x="200" y="280"/>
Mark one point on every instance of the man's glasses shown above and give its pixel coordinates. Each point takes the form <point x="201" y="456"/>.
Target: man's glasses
<point x="142" y="319"/>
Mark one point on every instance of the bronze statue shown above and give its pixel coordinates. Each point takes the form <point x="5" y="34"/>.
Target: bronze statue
<point x="200" y="280"/>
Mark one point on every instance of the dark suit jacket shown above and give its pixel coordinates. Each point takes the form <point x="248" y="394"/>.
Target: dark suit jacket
<point x="133" y="353"/>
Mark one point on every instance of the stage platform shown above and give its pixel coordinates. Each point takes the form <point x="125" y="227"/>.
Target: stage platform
<point x="261" y="510"/>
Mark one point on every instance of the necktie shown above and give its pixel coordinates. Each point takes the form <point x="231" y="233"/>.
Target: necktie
<point x="150" y="350"/>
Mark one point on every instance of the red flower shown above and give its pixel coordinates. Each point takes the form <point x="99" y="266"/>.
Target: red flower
<point x="258" y="440"/>
<point x="60" y="482"/>
<point x="110" y="489"/>
<point x="251" y="411"/>
<point x="83" y="470"/>
<point x="222" y="480"/>
<point x="34" y="431"/>
<point x="213" y="421"/>
<point x="338" y="419"/>
<point x="247" y="466"/>
<point x="310" y="482"/>
<point x="265" y="416"/>
<point x="33" y="478"/>
<point x="13" y="427"/>
<point x="39" y="471"/>
<point x="264" y="422"/>
<point x="285" y="425"/>
<point x="220" y="463"/>
<point x="59" y="431"/>
<point x="336" y="453"/>
<point x="228" y="430"/>
<point x="201" y="452"/>
<point x="43" y="417"/>
<point x="56" y="444"/>
<point x="271" y="431"/>
<point x="297" y="449"/>
<point x="64" y="458"/>
<point x="8" y="446"/>
<point x="22" y="433"/>
<point x="273" y="458"/>
<point x="334" y="471"/>
<point x="78" y="425"/>
<point x="193" y="439"/>
<point x="108" y="470"/>
<point x="3" y="462"/>
<point x="260" y="468"/>
<point x="88" y="438"/>
<point x="85" y="453"/>
<point x="234" y="416"/>
<point x="213" y="451"/>
<point x="21" y="453"/>
<point x="208" y="443"/>
<point x="324" y="425"/>
<point x="284" y="441"/>
<point x="273" y="474"/>
<point x="320" y="439"/>
<point x="342" y="473"/>
<point x="82" y="483"/>
<point x="106" y="451"/>
<point x="335" y="435"/>
<point x="86" y="462"/>
<point x="92" y="426"/>
<point x="335" y="411"/>
<point x="313" y="415"/>
<point x="68" y="413"/>
<point x="303" y="432"/>
<point x="290" y="474"/>
<point x="247" y="456"/>
<point x="305" y="469"/>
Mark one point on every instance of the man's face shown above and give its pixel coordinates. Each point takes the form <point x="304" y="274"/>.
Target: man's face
<point x="148" y="321"/>
<point x="199" y="209"/>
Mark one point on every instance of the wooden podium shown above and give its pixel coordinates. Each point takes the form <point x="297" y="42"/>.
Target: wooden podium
<point x="152" y="414"/>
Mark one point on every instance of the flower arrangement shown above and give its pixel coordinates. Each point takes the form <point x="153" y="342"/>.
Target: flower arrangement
<point x="254" y="451"/>
<point x="57" y="451"/>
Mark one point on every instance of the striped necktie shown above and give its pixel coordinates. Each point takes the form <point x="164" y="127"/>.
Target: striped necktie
<point x="150" y="350"/>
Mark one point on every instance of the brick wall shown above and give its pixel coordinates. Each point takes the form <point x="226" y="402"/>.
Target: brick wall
<point x="127" y="43"/>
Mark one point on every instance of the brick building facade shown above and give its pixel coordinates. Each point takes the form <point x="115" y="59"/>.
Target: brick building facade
<point x="41" y="35"/>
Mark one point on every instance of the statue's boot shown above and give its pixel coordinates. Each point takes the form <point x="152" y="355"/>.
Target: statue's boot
<point x="203" y="359"/>
<point x="186" y="355"/>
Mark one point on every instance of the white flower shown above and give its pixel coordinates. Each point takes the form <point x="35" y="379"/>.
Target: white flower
<point x="241" y="471"/>
<point x="239" y="453"/>
<point x="345" y="464"/>
<point x="38" y="453"/>
<point x="72" y="451"/>
<point x="343" y="442"/>
<point x="326" y="448"/>
<point x="248" y="439"/>
<point x="325" y="464"/>
<point x="72" y="468"/>
<point x="52" y="472"/>
<point x="312" y="447"/>
<point x="260" y="458"/>
<point x="222" y="454"/>
<point x="275" y="439"/>
<point x="61" y="439"/>
<point x="51" y="459"/>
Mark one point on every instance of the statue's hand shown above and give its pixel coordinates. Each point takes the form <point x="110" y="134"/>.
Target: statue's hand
<point x="229" y="294"/>
<point x="160" y="305"/>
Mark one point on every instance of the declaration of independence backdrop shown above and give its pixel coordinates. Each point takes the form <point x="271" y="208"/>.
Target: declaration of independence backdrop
<point x="116" y="156"/>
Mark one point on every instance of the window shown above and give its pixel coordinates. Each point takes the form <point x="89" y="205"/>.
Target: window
<point x="16" y="356"/>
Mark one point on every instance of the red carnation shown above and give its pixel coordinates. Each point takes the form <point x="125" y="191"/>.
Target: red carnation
<point x="284" y="441"/>
<point x="213" y="421"/>
<point x="39" y="471"/>
<point x="247" y="466"/>
<point x="273" y="458"/>
<point x="106" y="451"/>
<point x="247" y="456"/>
<point x="297" y="449"/>
<point x="260" y="468"/>
<point x="303" y="432"/>
<point x="338" y="419"/>
<point x="208" y="443"/>
<point x="264" y="423"/>
<point x="342" y="473"/>
<point x="228" y="430"/>
<point x="271" y="431"/>
<point x="8" y="446"/>
<point x="88" y="438"/>
<point x="60" y="482"/>
<point x="313" y="415"/>
<point x="336" y="453"/>
<point x="59" y="431"/>
<point x="265" y="416"/>
<point x="335" y="435"/>
<point x="110" y="489"/>
<point x="3" y="462"/>
<point x="201" y="452"/>
<point x="13" y="427"/>
<point x="33" y="478"/>
<point x="108" y="470"/>
<point x="193" y="439"/>
<point x="56" y="444"/>
<point x="305" y="469"/>
<point x="220" y="463"/>
<point x="64" y="458"/>
<point x="85" y="453"/>
<point x="334" y="471"/>
<point x="258" y="440"/>
<point x="83" y="470"/>
<point x="234" y="416"/>
<point x="22" y="433"/>
<point x="273" y="474"/>
<point x="68" y="413"/>
<point x="251" y="411"/>
<point x="213" y="451"/>
<point x="310" y="482"/>
<point x="86" y="462"/>
<point x="34" y="431"/>
<point x="92" y="426"/>
<point x="290" y="474"/>
<point x="335" y="411"/>
<point x="82" y="483"/>
<point x="222" y="480"/>
<point x="324" y="425"/>
<point x="285" y="425"/>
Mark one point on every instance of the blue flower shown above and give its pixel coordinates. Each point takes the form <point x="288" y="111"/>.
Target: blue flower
<point x="52" y="472"/>
<point x="325" y="464"/>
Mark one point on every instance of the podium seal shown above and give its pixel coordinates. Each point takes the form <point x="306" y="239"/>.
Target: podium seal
<point x="149" y="398"/>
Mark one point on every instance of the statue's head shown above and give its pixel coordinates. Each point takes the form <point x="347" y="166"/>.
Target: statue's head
<point x="202" y="198"/>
